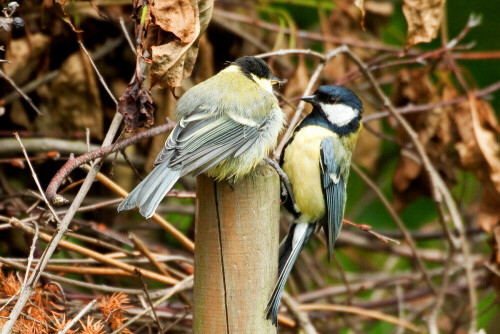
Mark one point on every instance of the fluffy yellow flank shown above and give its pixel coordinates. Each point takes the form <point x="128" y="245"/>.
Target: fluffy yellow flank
<point x="301" y="164"/>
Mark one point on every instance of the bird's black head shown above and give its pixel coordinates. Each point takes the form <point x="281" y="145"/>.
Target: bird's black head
<point x="338" y="106"/>
<point x="328" y="95"/>
<point x="257" y="67"/>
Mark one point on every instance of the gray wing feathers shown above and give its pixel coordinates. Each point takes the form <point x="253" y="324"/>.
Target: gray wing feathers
<point x="149" y="193"/>
<point x="333" y="191"/>
<point x="196" y="144"/>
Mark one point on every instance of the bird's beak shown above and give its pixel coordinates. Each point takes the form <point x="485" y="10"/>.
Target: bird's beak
<point x="310" y="98"/>
<point x="276" y="80"/>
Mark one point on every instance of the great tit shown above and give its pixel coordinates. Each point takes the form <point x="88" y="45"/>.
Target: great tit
<point x="226" y="126"/>
<point x="317" y="159"/>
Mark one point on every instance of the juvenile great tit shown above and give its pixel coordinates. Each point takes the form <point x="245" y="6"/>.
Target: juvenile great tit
<point x="317" y="159"/>
<point x="226" y="126"/>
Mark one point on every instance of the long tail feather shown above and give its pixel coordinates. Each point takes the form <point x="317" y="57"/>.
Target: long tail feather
<point x="149" y="193"/>
<point x="298" y="236"/>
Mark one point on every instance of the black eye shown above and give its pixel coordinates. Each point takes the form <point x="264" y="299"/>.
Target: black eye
<point x="332" y="99"/>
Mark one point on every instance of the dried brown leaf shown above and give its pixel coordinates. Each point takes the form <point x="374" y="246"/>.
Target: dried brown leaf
<point x="488" y="216"/>
<point x="25" y="57"/>
<point x="424" y="18"/>
<point x="479" y="152"/>
<point x="182" y="23"/>
<point x="59" y="8"/>
<point x="486" y="139"/>
<point x="136" y="106"/>
<point x="361" y="5"/>
<point x="72" y="103"/>
<point x="178" y="17"/>
<point x="434" y="132"/>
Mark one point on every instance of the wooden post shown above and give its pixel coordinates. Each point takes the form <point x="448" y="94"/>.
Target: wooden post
<point x="236" y="253"/>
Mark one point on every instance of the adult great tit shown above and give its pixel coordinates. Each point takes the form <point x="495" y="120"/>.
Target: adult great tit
<point x="226" y="126"/>
<point x="317" y="159"/>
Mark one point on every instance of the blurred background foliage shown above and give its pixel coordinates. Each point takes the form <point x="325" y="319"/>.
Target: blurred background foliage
<point x="44" y="53"/>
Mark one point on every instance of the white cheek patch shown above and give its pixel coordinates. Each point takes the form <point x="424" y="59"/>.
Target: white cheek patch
<point x="339" y="114"/>
<point x="264" y="83"/>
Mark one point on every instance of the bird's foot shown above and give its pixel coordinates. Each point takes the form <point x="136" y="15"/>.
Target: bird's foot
<point x="286" y="190"/>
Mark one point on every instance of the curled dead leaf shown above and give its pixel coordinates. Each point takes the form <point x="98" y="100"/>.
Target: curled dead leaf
<point x="178" y="17"/>
<point x="136" y="106"/>
<point x="58" y="5"/>
<point x="479" y="152"/>
<point x="424" y="18"/>
<point x="488" y="216"/>
<point x="180" y="25"/>
<point x="434" y="133"/>
<point x="361" y="5"/>
<point x="486" y="140"/>
<point x="73" y="102"/>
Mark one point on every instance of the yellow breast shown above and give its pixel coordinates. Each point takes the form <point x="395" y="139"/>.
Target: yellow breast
<point x="301" y="164"/>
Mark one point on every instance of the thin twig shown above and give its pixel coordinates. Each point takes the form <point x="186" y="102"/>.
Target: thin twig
<point x="131" y="165"/>
<point x="96" y="255"/>
<point x="101" y="79"/>
<point x="301" y="316"/>
<point x="69" y="281"/>
<point x="185" y="284"/>
<point x="62" y="227"/>
<point x="20" y="92"/>
<point x="284" y="52"/>
<point x="399" y="222"/>
<point x="426" y="107"/>
<point x="360" y="311"/>
<point x="35" y="178"/>
<point x="146" y="292"/>
<point x="302" y="33"/>
<point x="433" y="317"/>
<point x="74" y="163"/>
<point x="78" y="317"/>
<point x="127" y="35"/>
<point x="186" y="242"/>
<point x="158" y="258"/>
<point x="440" y="193"/>
<point x="399" y="295"/>
<point x="368" y="228"/>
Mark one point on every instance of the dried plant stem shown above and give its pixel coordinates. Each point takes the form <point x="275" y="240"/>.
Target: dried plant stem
<point x="101" y="79"/>
<point x="78" y="317"/>
<point x="368" y="228"/>
<point x="106" y="271"/>
<point x="69" y="281"/>
<point x="408" y="237"/>
<point x="440" y="193"/>
<point x="157" y="257"/>
<point x="185" y="284"/>
<point x="148" y="297"/>
<point x="156" y="217"/>
<point x="105" y="150"/>
<point x="301" y="33"/>
<point x="95" y="255"/>
<point x="145" y="251"/>
<point x="300" y="315"/>
<point x="127" y="35"/>
<point x="360" y="311"/>
<point x="433" y="317"/>
<point x="62" y="227"/>
<point x="20" y="92"/>
<point x="426" y="107"/>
